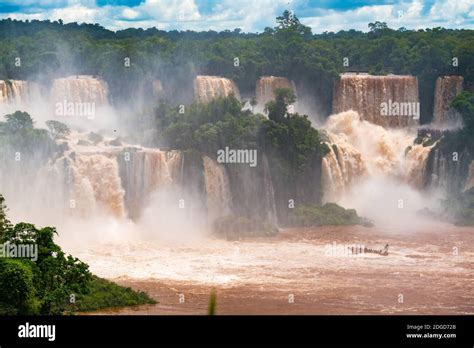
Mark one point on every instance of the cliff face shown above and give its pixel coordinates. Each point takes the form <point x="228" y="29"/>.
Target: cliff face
<point x="447" y="88"/>
<point x="388" y="101"/>
<point x="449" y="169"/>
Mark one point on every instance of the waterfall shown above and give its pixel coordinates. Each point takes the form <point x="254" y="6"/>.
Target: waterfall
<point x="359" y="149"/>
<point x="97" y="185"/>
<point x="448" y="174"/>
<point x="143" y="171"/>
<point x="369" y="95"/>
<point x="16" y="91"/>
<point x="157" y="87"/>
<point x="447" y="88"/>
<point x="217" y="188"/>
<point x="207" y="88"/>
<point x="266" y="86"/>
<point x="80" y="89"/>
<point x="269" y="193"/>
<point x="470" y="179"/>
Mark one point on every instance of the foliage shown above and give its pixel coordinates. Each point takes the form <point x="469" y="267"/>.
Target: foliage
<point x="17" y="292"/>
<point x="18" y="136"/>
<point x="17" y="121"/>
<point x="106" y="294"/>
<point x="58" y="129"/>
<point x="328" y="214"/>
<point x="47" y="284"/>
<point x="464" y="103"/>
<point x="4" y="222"/>
<point x="209" y="127"/>
<point x="291" y="135"/>
<point x="289" y="49"/>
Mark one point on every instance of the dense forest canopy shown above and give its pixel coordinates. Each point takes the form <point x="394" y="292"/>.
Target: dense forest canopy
<point x="51" y="49"/>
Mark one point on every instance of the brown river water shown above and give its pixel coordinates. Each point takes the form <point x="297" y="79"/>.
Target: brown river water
<point x="429" y="270"/>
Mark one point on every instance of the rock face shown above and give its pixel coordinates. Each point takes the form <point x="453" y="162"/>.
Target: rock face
<point x="267" y="85"/>
<point x="447" y="88"/>
<point x="448" y="170"/>
<point x="388" y="101"/>
<point x="207" y="88"/>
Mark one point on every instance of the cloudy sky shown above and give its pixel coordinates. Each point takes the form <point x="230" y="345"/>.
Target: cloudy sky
<point x="249" y="15"/>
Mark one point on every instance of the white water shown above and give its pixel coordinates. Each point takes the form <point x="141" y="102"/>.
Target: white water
<point x="207" y="88"/>
<point x="376" y="170"/>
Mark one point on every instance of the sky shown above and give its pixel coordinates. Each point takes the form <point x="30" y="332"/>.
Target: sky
<point x="249" y="15"/>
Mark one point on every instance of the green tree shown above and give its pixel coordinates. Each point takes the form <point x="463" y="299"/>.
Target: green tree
<point x="278" y="108"/>
<point x="18" y="121"/>
<point x="57" y="129"/>
<point x="4" y="222"/>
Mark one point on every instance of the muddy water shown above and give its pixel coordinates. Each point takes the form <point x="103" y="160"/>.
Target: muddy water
<point x="428" y="270"/>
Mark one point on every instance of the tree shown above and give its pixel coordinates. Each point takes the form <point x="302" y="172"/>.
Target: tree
<point x="289" y="22"/>
<point x="18" y="121"/>
<point x="278" y="109"/>
<point x="464" y="103"/>
<point x="4" y="222"/>
<point x="58" y="129"/>
<point x="373" y="27"/>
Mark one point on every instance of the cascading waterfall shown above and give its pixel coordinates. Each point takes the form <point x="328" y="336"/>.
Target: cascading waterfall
<point x="269" y="193"/>
<point x="366" y="94"/>
<point x="80" y="88"/>
<point x="207" y="88"/>
<point x="16" y="91"/>
<point x="218" y="191"/>
<point x="360" y="149"/>
<point x="97" y="185"/>
<point x="145" y="170"/>
<point x="447" y="88"/>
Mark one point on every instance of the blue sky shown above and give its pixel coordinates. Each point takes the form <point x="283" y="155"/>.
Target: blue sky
<point x="249" y="15"/>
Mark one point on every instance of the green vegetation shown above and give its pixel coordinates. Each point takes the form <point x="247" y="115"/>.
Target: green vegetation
<point x="18" y="136"/>
<point x="106" y="294"/>
<point x="58" y="129"/>
<point x="52" y="282"/>
<point x="207" y="127"/>
<point x="330" y="214"/>
<point x="291" y="135"/>
<point x="289" y="49"/>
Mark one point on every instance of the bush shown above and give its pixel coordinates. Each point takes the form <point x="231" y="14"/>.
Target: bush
<point x="106" y="294"/>
<point x="47" y="285"/>
<point x="326" y="215"/>
<point x="17" y="291"/>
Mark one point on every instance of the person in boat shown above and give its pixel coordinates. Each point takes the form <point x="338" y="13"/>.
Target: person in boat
<point x="385" y="250"/>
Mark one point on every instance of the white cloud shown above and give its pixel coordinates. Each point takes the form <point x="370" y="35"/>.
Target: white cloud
<point x="250" y="15"/>
<point x="449" y="14"/>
